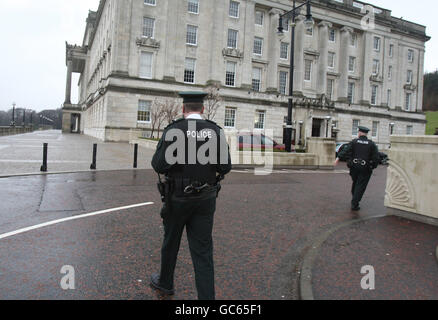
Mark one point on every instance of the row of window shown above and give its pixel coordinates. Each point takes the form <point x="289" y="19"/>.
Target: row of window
<point x="144" y="115"/>
<point x="376" y="126"/>
<point x="193" y="5"/>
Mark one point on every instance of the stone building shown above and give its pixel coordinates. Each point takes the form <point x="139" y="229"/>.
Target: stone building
<point x="358" y="65"/>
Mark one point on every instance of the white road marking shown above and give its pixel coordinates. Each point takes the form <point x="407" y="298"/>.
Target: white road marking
<point x="40" y="161"/>
<point x="87" y="215"/>
<point x="4" y="146"/>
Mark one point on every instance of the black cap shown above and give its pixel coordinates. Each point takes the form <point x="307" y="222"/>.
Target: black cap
<point x="364" y="129"/>
<point x="193" y="96"/>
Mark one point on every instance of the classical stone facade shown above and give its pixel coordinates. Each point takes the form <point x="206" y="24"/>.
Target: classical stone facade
<point x="354" y="67"/>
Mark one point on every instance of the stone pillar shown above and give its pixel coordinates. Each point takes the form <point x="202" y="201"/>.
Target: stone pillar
<point x="170" y="49"/>
<point x="68" y="85"/>
<point x="248" y="37"/>
<point x="411" y="178"/>
<point x="420" y="81"/>
<point x="344" y="58"/>
<point x="323" y="57"/>
<point x="122" y="38"/>
<point x="273" y="50"/>
<point x="366" y="67"/>
<point x="299" y="56"/>
<point x="217" y="61"/>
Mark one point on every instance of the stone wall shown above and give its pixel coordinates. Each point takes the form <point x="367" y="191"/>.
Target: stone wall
<point x="412" y="176"/>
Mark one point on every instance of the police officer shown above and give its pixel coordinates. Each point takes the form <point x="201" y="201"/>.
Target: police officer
<point x="362" y="156"/>
<point x="191" y="191"/>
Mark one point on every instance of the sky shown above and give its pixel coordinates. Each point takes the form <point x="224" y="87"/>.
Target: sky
<point x="33" y="35"/>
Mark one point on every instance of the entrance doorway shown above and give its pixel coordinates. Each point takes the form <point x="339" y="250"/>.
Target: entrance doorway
<point x="75" y="125"/>
<point x="316" y="128"/>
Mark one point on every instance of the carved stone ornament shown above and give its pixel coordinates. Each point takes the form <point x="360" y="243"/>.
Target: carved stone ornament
<point x="230" y="52"/>
<point x="399" y="189"/>
<point x="148" y="42"/>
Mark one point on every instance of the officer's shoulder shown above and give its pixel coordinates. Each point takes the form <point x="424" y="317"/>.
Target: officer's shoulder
<point x="214" y="123"/>
<point x="174" y="122"/>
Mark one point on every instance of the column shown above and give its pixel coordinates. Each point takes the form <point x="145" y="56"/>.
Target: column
<point x="68" y="86"/>
<point x="171" y="40"/>
<point x="420" y="81"/>
<point x="366" y="67"/>
<point x="344" y="56"/>
<point x="273" y="49"/>
<point x="248" y="44"/>
<point x="323" y="57"/>
<point x="122" y="38"/>
<point x="217" y="65"/>
<point x="299" y="56"/>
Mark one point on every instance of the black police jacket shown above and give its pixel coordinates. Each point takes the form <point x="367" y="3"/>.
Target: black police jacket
<point x="193" y="150"/>
<point x="363" y="149"/>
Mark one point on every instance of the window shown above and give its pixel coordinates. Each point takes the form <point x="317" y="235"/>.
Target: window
<point x="409" y="77"/>
<point x="331" y="60"/>
<point x="193" y="6"/>
<point x="192" y="35"/>
<point x="258" y="46"/>
<point x="376" y="67"/>
<point x="411" y="55"/>
<point x="374" y="90"/>
<point x="330" y="85"/>
<point x="351" y="64"/>
<point x="286" y="25"/>
<point x="150" y="2"/>
<point x="389" y="72"/>
<point x="259" y="16"/>
<point x="408" y="101"/>
<point x="409" y="130"/>
<point x="283" y="82"/>
<point x="389" y="97"/>
<point x="232" y="38"/>
<point x="189" y="70"/>
<point x="256" y="79"/>
<point x="230" y="77"/>
<point x="391" y="50"/>
<point x="351" y="87"/>
<point x="309" y="31"/>
<point x="355" y="130"/>
<point x="284" y="50"/>
<point x="375" y="130"/>
<point x="144" y="111"/>
<point x="307" y="70"/>
<point x="148" y="27"/>
<point x="391" y="128"/>
<point x="234" y="9"/>
<point x="146" y="65"/>
<point x="376" y="45"/>
<point x="230" y="117"/>
<point x="332" y="35"/>
<point x="353" y="39"/>
<point x="259" y="122"/>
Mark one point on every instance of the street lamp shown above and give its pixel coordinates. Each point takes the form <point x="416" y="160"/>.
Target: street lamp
<point x="13" y="114"/>
<point x="308" y="23"/>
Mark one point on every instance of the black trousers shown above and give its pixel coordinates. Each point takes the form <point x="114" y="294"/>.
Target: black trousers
<point x="361" y="178"/>
<point x="196" y="215"/>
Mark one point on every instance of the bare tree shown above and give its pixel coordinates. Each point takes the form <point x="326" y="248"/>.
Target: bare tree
<point x="157" y="117"/>
<point x="171" y="109"/>
<point x="212" y="101"/>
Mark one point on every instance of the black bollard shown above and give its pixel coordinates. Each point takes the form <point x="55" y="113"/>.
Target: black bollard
<point x="135" y="155"/>
<point x="93" y="164"/>
<point x="45" y="149"/>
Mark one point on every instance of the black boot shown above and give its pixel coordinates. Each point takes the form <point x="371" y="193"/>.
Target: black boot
<point x="155" y="283"/>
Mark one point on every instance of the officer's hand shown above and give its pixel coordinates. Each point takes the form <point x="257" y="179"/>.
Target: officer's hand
<point x="336" y="162"/>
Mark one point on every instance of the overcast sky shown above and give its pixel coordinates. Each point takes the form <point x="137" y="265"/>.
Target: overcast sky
<point x="33" y="35"/>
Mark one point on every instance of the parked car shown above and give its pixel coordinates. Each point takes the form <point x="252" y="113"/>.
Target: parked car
<point x="340" y="146"/>
<point x="250" y="141"/>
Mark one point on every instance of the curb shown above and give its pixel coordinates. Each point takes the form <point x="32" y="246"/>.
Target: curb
<point x="65" y="172"/>
<point x="305" y="281"/>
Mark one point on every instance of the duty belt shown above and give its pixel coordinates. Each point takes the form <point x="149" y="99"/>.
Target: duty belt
<point x="196" y="187"/>
<point x="360" y="161"/>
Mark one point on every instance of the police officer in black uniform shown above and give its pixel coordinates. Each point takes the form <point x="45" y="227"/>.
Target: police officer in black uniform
<point x="362" y="156"/>
<point x="190" y="191"/>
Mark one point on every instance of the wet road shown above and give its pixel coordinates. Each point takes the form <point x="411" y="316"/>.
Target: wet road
<point x="263" y="226"/>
